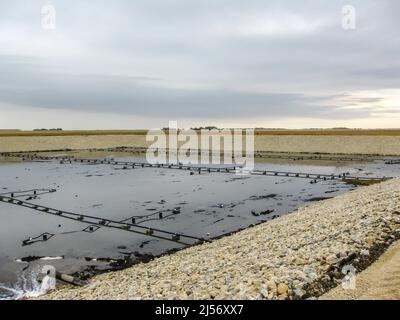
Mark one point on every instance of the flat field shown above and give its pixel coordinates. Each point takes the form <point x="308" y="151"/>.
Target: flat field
<point x="283" y="132"/>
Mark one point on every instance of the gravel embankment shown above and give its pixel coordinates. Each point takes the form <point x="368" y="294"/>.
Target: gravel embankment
<point x="381" y="281"/>
<point x="300" y="255"/>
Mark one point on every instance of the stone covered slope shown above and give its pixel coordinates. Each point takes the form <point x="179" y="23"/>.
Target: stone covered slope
<point x="299" y="255"/>
<point x="381" y="281"/>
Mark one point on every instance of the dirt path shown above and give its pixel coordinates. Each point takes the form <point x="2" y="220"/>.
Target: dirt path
<point x="380" y="281"/>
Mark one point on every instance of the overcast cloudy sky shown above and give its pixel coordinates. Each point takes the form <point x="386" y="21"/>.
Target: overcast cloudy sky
<point x="254" y="63"/>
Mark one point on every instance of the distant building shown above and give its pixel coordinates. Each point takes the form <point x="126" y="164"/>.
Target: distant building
<point x="52" y="129"/>
<point x="206" y="128"/>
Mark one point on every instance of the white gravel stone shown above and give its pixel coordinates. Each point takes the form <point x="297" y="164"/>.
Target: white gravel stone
<point x="273" y="260"/>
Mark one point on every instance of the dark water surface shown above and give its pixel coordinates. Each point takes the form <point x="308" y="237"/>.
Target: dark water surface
<point x="211" y="204"/>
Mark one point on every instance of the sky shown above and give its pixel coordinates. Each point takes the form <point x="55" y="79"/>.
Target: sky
<point x="129" y="64"/>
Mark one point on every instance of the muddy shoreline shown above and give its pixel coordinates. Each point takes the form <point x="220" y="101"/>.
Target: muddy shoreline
<point x="297" y="256"/>
<point x="133" y="258"/>
<point x="128" y="258"/>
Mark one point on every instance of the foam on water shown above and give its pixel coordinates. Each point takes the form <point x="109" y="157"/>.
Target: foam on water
<point x="27" y="286"/>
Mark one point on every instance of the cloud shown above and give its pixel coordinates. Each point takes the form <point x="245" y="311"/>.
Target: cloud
<point x="202" y="59"/>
